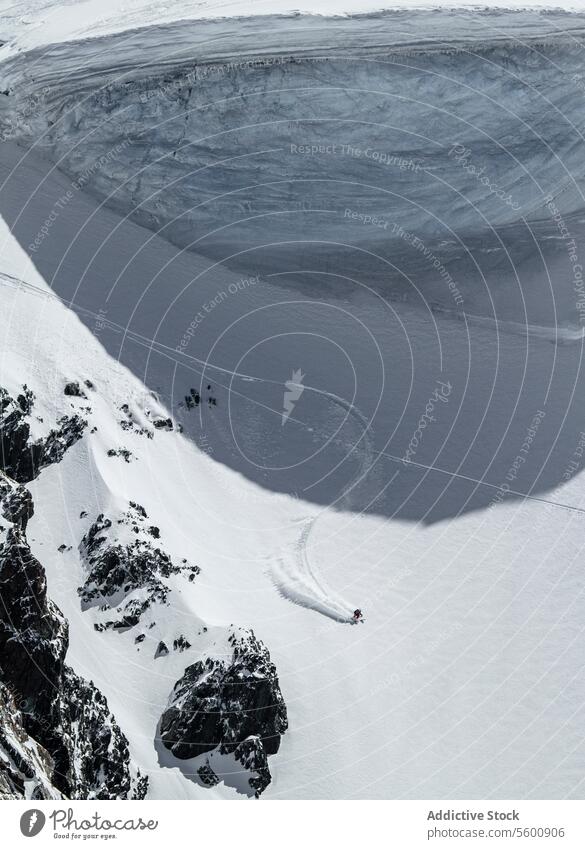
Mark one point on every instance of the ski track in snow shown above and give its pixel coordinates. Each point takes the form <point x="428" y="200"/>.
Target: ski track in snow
<point x="295" y="576"/>
<point x="293" y="573"/>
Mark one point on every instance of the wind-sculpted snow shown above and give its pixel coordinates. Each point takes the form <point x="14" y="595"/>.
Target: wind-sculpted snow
<point x="397" y="201"/>
<point x="417" y="152"/>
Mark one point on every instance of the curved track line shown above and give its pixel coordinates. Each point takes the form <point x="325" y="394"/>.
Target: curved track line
<point x="304" y="585"/>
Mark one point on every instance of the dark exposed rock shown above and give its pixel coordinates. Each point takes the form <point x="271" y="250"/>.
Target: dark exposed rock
<point x="61" y="712"/>
<point x="161" y="650"/>
<point x="75" y="390"/>
<point x="163" y="424"/>
<point x="129" y="613"/>
<point x="181" y="644"/>
<point x="16" y="503"/>
<point x="223" y="703"/>
<point x="192" y="400"/>
<point x="252" y="756"/>
<point x="119" y="567"/>
<point x="139" y="509"/>
<point x="21" y="758"/>
<point x="207" y="775"/>
<point x="129" y="423"/>
<point x="22" y="459"/>
<point x="90" y="751"/>
<point x="33" y="632"/>
<point x="120" y="452"/>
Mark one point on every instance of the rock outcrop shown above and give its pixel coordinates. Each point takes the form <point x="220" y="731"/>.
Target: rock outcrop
<point x="26" y="767"/>
<point x="62" y="720"/>
<point x="123" y="560"/>
<point x="22" y="458"/>
<point x="234" y="705"/>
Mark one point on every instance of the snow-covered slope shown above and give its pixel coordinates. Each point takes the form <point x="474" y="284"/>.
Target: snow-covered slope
<point x="472" y="636"/>
<point x="296" y="451"/>
<point x="415" y="149"/>
<point x="49" y="22"/>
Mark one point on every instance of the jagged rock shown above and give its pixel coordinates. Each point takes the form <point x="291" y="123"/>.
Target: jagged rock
<point x="64" y="714"/>
<point x="22" y="459"/>
<point x="163" y="424"/>
<point x="223" y="703"/>
<point x="161" y="650"/>
<point x="33" y="632"/>
<point x="130" y="424"/>
<point x="75" y="390"/>
<point x="120" y="452"/>
<point x="119" y="567"/>
<point x="192" y="400"/>
<point x="90" y="751"/>
<point x="181" y="644"/>
<point x="16" y="503"/>
<point x="252" y="755"/>
<point x="207" y="775"/>
<point x="25" y="766"/>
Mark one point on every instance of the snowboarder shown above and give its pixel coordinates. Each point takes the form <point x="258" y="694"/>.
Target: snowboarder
<point x="357" y="615"/>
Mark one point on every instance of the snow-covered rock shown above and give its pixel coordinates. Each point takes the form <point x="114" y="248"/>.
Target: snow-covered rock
<point x="83" y="752"/>
<point x="126" y="569"/>
<point x="26" y="768"/>
<point x="234" y="705"/>
<point x="470" y="613"/>
<point x="21" y="457"/>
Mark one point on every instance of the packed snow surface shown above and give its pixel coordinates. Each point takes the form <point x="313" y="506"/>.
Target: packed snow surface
<point x="361" y="437"/>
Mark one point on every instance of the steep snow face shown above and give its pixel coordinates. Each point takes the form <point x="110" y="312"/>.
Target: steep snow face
<point x="472" y="593"/>
<point x="471" y="643"/>
<point x="416" y="152"/>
